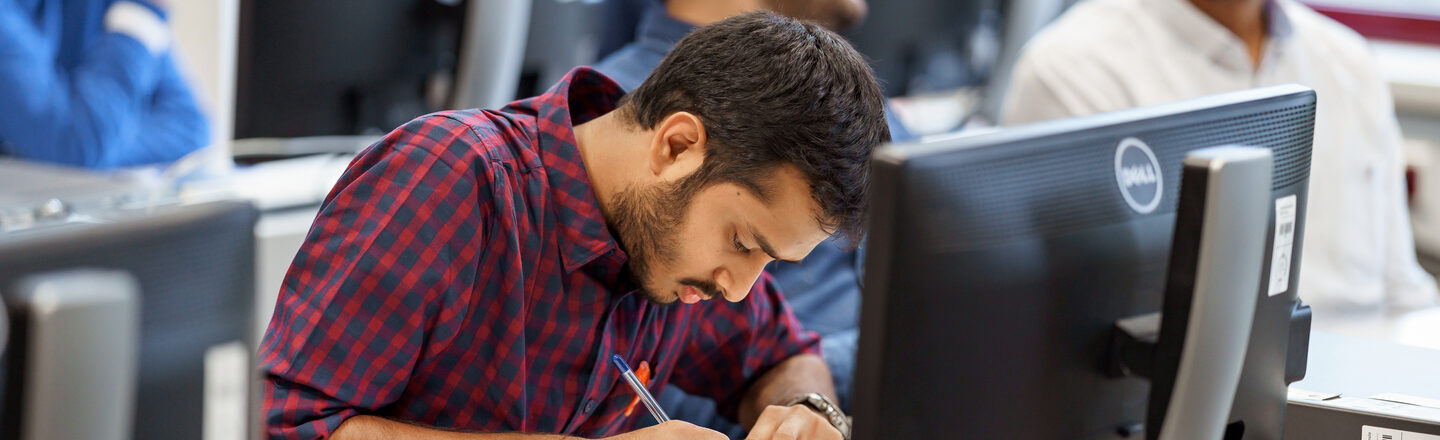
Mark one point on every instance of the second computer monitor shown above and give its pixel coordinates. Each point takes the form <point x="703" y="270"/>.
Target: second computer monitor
<point x="998" y="265"/>
<point x="194" y="270"/>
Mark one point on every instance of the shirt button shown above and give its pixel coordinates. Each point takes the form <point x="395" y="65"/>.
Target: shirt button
<point x="589" y="406"/>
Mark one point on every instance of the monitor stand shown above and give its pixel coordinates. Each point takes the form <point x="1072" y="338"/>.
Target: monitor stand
<point x="1193" y="351"/>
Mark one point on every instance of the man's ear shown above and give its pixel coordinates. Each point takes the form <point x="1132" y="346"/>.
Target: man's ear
<point x="678" y="147"/>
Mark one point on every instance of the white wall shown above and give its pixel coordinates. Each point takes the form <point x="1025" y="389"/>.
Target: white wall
<point x="206" y="34"/>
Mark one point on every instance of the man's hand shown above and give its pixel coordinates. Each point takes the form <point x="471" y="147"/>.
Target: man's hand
<point x="671" y="430"/>
<point x="796" y="422"/>
<point x="795" y="376"/>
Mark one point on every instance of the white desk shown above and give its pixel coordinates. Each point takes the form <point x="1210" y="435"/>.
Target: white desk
<point x="1362" y="367"/>
<point x="1347" y="371"/>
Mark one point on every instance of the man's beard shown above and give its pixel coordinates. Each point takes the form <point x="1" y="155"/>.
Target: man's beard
<point x="647" y="224"/>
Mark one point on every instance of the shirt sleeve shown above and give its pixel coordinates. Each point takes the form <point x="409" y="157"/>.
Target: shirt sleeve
<point x="1031" y="97"/>
<point x="1055" y="79"/>
<point x="172" y="126"/>
<point x="1407" y="283"/>
<point x="382" y="279"/>
<point x="737" y="342"/>
<point x="76" y="115"/>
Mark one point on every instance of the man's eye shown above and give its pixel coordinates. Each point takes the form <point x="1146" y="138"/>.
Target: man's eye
<point x="739" y="247"/>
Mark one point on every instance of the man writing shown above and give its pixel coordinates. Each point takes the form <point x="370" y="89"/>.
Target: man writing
<point x="471" y="273"/>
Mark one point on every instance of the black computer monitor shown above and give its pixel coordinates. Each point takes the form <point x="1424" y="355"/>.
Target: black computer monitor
<point x="998" y="265"/>
<point x="334" y="69"/>
<point x="926" y="46"/>
<point x="195" y="271"/>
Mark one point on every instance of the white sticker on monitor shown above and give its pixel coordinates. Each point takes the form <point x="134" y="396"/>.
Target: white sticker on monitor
<point x="1373" y="433"/>
<point x="227" y="372"/>
<point x="1284" y="245"/>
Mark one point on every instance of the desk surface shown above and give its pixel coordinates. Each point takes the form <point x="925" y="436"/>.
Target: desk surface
<point x="1362" y="367"/>
<point x="27" y="183"/>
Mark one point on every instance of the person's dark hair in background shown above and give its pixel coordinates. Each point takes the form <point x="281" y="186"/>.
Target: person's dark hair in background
<point x="755" y="123"/>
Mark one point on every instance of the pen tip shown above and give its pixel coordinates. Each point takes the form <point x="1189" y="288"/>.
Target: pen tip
<point x="618" y="361"/>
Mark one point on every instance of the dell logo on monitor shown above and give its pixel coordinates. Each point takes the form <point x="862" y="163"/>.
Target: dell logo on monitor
<point x="1138" y="174"/>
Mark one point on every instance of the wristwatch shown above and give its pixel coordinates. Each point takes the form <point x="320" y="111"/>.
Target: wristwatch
<point x="827" y="408"/>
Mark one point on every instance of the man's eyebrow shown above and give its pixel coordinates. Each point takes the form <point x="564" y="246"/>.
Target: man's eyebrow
<point x="765" y="245"/>
<point x="757" y="189"/>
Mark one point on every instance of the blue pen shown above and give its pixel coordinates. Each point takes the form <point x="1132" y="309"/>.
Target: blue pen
<point x="640" y="390"/>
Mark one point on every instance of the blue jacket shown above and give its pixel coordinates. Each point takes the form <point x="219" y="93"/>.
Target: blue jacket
<point x="72" y="93"/>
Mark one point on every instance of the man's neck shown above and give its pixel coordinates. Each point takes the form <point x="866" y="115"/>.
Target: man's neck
<point x="608" y="148"/>
<point x="1244" y="18"/>
<point x="703" y="12"/>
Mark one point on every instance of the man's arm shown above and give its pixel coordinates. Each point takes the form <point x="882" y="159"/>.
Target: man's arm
<point x="172" y="125"/>
<point x="765" y="413"/>
<point x="366" y="295"/>
<point x="1407" y="285"/>
<point x="377" y="428"/>
<point x="799" y="375"/>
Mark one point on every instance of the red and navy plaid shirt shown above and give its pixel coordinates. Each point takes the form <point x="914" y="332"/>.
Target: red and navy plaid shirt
<point x="460" y="275"/>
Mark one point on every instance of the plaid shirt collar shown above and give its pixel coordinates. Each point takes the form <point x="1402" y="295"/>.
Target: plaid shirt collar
<point x="582" y="95"/>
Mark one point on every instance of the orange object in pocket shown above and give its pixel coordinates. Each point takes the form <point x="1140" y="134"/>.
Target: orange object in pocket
<point x="642" y="373"/>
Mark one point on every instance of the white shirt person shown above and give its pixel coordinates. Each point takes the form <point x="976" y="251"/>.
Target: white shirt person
<point x="1107" y="55"/>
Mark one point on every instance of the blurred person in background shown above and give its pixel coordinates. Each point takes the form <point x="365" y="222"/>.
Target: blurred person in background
<point x="1107" y="55"/>
<point x="92" y="83"/>
<point x="824" y="289"/>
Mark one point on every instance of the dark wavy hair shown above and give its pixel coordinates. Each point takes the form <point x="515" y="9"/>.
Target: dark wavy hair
<point x="772" y="90"/>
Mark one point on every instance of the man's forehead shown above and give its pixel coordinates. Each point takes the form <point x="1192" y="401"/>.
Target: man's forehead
<point x="789" y="221"/>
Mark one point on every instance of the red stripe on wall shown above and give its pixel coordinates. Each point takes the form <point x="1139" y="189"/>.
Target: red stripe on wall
<point x="1386" y="25"/>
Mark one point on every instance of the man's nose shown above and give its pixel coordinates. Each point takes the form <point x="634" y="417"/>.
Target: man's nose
<point x="737" y="281"/>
